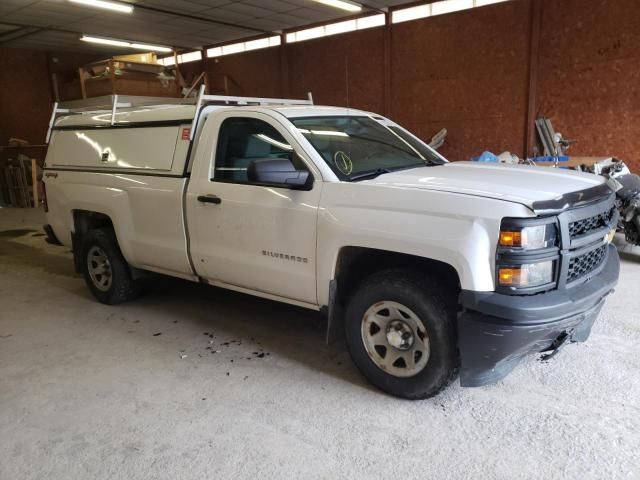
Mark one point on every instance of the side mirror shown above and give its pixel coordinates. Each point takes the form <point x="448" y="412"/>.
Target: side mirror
<point x="278" y="172"/>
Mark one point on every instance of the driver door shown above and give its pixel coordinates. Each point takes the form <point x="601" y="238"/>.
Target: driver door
<point x="252" y="236"/>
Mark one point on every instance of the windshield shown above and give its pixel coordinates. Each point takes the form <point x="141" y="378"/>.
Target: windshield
<point x="357" y="148"/>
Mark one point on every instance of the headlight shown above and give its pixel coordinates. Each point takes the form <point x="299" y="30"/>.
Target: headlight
<point x="527" y="275"/>
<point x="529" y="238"/>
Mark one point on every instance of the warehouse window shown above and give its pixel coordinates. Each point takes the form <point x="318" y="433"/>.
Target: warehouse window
<point x="182" y="58"/>
<point x="437" y="8"/>
<point x="244" y="46"/>
<point x="336" y="28"/>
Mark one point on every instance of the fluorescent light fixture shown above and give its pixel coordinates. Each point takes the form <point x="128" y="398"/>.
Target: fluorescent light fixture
<point x="105" y="4"/>
<point x="104" y="41"/>
<point x="147" y="47"/>
<point x="342" y="5"/>
<point x="123" y="43"/>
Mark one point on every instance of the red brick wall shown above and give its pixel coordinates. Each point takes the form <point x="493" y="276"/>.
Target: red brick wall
<point x="256" y="73"/>
<point x="342" y="70"/>
<point x="467" y="71"/>
<point x="589" y="75"/>
<point x="25" y="95"/>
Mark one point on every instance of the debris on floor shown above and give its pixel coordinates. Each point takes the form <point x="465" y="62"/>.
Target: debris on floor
<point x="157" y="334"/>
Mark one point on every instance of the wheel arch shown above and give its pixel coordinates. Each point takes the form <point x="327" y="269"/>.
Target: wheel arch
<point x="84" y="221"/>
<point x="354" y="264"/>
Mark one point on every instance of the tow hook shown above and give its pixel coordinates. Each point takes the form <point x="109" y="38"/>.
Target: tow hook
<point x="554" y="348"/>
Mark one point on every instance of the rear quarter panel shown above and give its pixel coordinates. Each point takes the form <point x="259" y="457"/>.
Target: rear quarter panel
<point x="146" y="213"/>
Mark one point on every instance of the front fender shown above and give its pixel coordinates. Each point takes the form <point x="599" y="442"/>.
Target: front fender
<point x="458" y="230"/>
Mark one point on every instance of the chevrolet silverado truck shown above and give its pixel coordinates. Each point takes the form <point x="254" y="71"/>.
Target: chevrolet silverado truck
<point x="427" y="269"/>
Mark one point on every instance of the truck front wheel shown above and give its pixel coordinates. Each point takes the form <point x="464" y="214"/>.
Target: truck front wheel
<point x="105" y="270"/>
<point x="400" y="333"/>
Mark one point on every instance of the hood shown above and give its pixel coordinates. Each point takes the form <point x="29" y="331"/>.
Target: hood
<point x="522" y="184"/>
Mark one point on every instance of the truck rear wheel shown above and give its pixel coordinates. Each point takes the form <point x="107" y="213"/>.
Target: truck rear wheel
<point x="105" y="270"/>
<point x="400" y="332"/>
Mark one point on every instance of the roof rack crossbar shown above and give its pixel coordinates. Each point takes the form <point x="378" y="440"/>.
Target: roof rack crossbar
<point x="235" y="100"/>
<point x="255" y="100"/>
<point x="109" y="104"/>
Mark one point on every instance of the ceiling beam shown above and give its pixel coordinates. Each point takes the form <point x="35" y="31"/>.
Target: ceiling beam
<point x="190" y="16"/>
<point x="18" y="33"/>
<point x="42" y="29"/>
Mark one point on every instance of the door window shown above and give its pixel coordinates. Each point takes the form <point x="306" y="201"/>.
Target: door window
<point x="243" y="140"/>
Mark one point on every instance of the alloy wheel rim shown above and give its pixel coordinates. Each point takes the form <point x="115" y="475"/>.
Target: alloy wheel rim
<point x="99" y="268"/>
<point x="395" y="339"/>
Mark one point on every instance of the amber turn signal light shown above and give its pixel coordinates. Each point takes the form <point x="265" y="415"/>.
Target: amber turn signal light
<point x="510" y="239"/>
<point x="526" y="275"/>
<point x="509" y="276"/>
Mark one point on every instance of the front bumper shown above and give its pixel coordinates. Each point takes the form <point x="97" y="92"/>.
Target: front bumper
<point x="496" y="331"/>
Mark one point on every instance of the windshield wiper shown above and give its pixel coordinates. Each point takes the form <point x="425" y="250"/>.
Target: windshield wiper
<point x="369" y="174"/>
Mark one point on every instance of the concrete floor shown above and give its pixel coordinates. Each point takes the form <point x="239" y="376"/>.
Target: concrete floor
<point x="89" y="391"/>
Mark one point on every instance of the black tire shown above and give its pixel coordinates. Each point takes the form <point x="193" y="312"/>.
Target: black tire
<point x="435" y="308"/>
<point x="122" y="287"/>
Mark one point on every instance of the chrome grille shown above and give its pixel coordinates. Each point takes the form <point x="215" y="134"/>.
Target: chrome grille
<point x="586" y="263"/>
<point x="590" y="224"/>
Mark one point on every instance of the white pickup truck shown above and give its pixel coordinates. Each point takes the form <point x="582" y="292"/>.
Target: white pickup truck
<point x="428" y="268"/>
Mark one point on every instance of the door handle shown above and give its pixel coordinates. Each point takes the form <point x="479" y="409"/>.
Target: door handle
<point x="210" y="199"/>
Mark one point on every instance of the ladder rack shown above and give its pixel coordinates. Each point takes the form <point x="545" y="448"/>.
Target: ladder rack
<point x="239" y="101"/>
<point x="111" y="103"/>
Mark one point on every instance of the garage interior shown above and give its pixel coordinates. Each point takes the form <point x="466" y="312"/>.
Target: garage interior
<point x="192" y="381"/>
